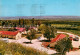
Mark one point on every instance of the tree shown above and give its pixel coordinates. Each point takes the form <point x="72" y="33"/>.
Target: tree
<point x="53" y="31"/>
<point x="2" y="23"/>
<point x="7" y="23"/>
<point x="42" y="28"/>
<point x="49" y="32"/>
<point x="19" y="22"/>
<point x="31" y="35"/>
<point x="63" y="45"/>
<point x="28" y="22"/>
<point x="23" y="22"/>
<point x="27" y="28"/>
<point x="32" y="21"/>
<point x="39" y="22"/>
<point x="15" y="25"/>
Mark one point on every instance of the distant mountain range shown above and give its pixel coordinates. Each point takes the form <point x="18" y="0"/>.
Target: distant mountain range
<point x="45" y="17"/>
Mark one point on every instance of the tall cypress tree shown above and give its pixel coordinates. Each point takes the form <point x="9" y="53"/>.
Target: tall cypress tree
<point x="19" y="22"/>
<point x="32" y="21"/>
<point x="23" y="22"/>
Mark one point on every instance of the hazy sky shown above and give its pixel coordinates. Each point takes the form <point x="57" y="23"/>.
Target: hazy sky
<point x="39" y="7"/>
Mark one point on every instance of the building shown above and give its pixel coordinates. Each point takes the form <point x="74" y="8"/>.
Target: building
<point x="22" y="30"/>
<point x="54" y="41"/>
<point x="10" y="34"/>
<point x="57" y="38"/>
<point x="35" y="28"/>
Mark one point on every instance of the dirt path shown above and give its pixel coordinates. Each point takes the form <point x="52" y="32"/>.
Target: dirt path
<point x="37" y="45"/>
<point x="74" y="43"/>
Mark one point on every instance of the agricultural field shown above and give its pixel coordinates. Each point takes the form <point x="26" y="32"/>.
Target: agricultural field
<point x="61" y="25"/>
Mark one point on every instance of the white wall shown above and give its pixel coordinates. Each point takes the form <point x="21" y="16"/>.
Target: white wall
<point x="24" y="32"/>
<point x="18" y="36"/>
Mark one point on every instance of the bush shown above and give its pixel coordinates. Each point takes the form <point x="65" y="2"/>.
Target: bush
<point x="63" y="45"/>
<point x="18" y="49"/>
<point x="38" y="35"/>
<point x="3" y="47"/>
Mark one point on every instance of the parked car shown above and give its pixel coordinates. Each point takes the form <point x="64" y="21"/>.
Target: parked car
<point x="76" y="38"/>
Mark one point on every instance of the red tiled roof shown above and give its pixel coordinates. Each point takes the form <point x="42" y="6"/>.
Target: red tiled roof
<point x="8" y="33"/>
<point x="20" y="29"/>
<point x="32" y="28"/>
<point x="60" y="36"/>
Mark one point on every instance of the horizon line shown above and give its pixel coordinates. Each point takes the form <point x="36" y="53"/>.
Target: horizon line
<point x="34" y="16"/>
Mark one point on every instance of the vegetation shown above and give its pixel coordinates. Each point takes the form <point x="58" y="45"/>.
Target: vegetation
<point x="31" y="35"/>
<point x="64" y="45"/>
<point x="49" y="32"/>
<point x="77" y="32"/>
<point x="32" y="21"/>
<point x="46" y="27"/>
<point x="18" y="49"/>
<point x="28" y="22"/>
<point x="42" y="28"/>
<point x="61" y="25"/>
<point x="38" y="35"/>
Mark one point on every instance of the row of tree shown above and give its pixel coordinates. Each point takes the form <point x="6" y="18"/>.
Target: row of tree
<point x="20" y="22"/>
<point x="23" y="22"/>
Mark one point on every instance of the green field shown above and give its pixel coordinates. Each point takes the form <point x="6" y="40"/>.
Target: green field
<point x="61" y="25"/>
<point x="70" y="31"/>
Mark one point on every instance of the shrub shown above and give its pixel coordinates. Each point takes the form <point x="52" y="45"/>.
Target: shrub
<point x="3" y="47"/>
<point x="31" y="35"/>
<point x="18" y="49"/>
<point x="63" y="45"/>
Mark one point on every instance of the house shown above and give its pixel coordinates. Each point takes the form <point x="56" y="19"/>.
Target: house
<point x="22" y="30"/>
<point x="30" y="28"/>
<point x="53" y="41"/>
<point x="10" y="34"/>
<point x="57" y="38"/>
<point x="35" y="28"/>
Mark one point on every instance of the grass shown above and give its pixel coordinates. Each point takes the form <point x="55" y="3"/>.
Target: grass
<point x="38" y="35"/>
<point x="61" y="25"/>
<point x="18" y="49"/>
<point x="71" y="31"/>
<point x="68" y="28"/>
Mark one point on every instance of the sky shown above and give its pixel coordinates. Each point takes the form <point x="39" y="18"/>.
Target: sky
<point x="39" y="8"/>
